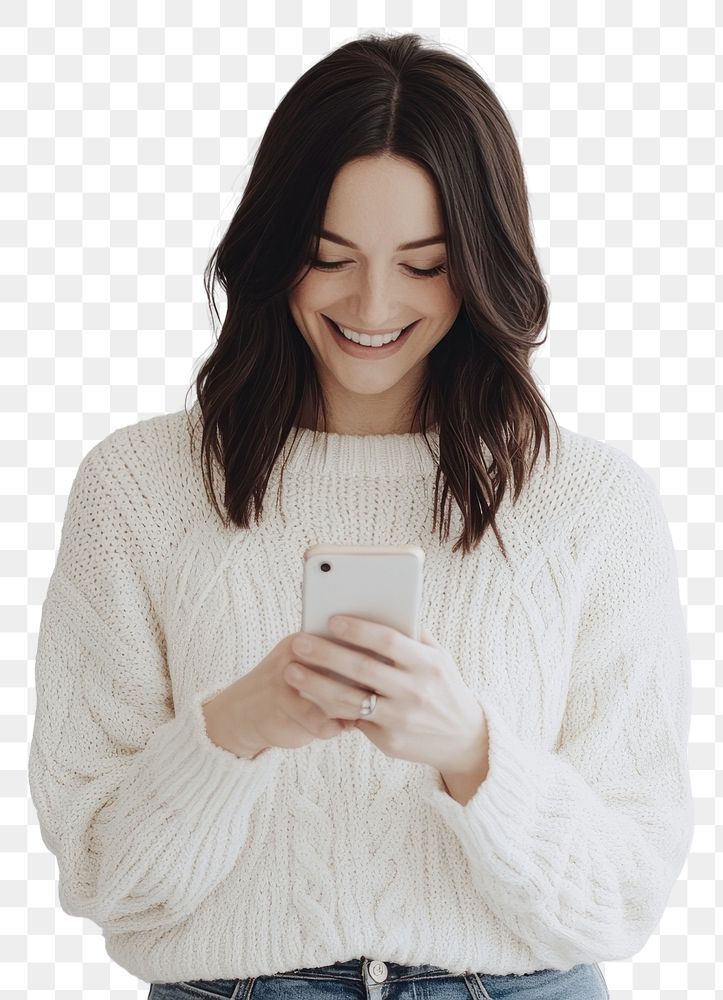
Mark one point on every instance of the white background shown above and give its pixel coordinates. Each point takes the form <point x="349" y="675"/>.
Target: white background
<point x="127" y="136"/>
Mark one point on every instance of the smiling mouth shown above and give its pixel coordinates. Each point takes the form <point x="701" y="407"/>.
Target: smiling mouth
<point x="336" y="329"/>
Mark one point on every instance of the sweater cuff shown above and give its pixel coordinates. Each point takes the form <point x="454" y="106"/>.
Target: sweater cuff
<point x="189" y="757"/>
<point x="505" y="802"/>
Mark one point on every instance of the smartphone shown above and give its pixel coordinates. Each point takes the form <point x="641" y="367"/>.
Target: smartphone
<point x="380" y="583"/>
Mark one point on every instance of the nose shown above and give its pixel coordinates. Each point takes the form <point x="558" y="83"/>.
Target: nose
<point x="374" y="304"/>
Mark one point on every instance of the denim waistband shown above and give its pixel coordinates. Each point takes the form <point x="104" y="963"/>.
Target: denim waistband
<point x="353" y="968"/>
<point x="375" y="974"/>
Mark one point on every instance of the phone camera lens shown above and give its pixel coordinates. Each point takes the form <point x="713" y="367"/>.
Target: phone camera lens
<point x="324" y="567"/>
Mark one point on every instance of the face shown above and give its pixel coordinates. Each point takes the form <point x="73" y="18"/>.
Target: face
<point x="378" y="204"/>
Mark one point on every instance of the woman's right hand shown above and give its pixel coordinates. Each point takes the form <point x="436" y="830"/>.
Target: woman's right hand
<point x="261" y="710"/>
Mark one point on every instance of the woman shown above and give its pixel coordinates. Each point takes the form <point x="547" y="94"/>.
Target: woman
<point x="507" y="803"/>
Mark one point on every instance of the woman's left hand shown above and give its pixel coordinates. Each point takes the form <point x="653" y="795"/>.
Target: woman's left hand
<point x="424" y="711"/>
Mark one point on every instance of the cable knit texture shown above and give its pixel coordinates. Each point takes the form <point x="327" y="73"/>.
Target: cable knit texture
<point x="197" y="864"/>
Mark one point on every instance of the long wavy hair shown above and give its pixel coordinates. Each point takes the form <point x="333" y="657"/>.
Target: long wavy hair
<point x="403" y="96"/>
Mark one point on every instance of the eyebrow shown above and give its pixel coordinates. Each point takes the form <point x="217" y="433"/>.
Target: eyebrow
<point x="326" y="234"/>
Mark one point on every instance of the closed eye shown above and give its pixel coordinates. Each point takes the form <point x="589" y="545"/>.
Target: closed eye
<point x="334" y="265"/>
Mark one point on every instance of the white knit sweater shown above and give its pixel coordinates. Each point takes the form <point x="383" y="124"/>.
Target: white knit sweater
<point x="197" y="864"/>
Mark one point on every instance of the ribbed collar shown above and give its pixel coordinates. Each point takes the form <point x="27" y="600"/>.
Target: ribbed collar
<point x="392" y="456"/>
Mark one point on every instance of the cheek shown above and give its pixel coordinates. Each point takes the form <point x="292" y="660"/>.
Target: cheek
<point x="302" y="302"/>
<point x="303" y="288"/>
<point x="314" y="285"/>
<point x="447" y="300"/>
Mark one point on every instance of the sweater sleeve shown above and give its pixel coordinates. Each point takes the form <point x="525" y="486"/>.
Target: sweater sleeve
<point x="144" y="813"/>
<point x="576" y="850"/>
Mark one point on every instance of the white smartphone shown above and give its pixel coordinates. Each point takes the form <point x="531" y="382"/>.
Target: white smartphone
<point x="380" y="583"/>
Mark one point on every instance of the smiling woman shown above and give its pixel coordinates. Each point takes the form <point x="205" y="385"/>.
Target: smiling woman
<point x="387" y="195"/>
<point x="387" y="302"/>
<point x="511" y="803"/>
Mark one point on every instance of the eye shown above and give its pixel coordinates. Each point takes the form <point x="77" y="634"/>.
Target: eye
<point x="334" y="265"/>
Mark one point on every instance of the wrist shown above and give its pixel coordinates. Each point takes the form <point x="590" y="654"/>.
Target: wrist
<point x="464" y="774"/>
<point x="231" y="734"/>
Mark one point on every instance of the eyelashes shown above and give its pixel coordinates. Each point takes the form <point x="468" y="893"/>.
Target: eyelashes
<point x="329" y="265"/>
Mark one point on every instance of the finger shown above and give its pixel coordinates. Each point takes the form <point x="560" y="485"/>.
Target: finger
<point x="336" y="699"/>
<point x="428" y="638"/>
<point x="314" y="719"/>
<point x="321" y="716"/>
<point x="397" y="648"/>
<point x="355" y="665"/>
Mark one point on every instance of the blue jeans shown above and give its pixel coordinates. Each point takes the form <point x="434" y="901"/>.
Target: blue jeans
<point x="372" y="979"/>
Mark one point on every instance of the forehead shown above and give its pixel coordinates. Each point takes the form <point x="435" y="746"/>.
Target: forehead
<point x="383" y="201"/>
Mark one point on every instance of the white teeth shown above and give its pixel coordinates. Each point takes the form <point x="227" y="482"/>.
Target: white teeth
<point x="366" y="340"/>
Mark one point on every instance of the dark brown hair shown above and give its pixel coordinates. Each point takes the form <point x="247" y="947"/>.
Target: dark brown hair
<point x="402" y="96"/>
